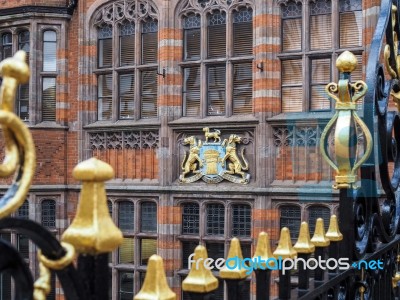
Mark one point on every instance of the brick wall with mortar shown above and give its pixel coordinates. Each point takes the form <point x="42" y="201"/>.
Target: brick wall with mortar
<point x="60" y="149"/>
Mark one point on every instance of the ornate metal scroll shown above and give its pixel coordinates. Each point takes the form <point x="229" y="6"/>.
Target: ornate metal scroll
<point x="214" y="160"/>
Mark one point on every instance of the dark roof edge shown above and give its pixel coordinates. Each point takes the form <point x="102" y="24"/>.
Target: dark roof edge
<point x="69" y="10"/>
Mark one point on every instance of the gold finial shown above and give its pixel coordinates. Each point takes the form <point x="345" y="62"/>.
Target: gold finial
<point x="42" y="285"/>
<point x="333" y="233"/>
<point x="235" y="260"/>
<point x="155" y="286"/>
<point x="319" y="239"/>
<point x="304" y="244"/>
<point x="395" y="279"/>
<point x="93" y="231"/>
<point x="285" y="248"/>
<point x="200" y="279"/>
<point x="263" y="251"/>
<point x="346" y="62"/>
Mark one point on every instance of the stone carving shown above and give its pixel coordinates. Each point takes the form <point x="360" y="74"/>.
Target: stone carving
<point x="123" y="140"/>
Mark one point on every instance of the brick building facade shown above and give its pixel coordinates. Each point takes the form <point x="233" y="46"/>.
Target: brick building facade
<point x="128" y="80"/>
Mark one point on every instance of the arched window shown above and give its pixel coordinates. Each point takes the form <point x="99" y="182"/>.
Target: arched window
<point x="6" y="45"/>
<point x="228" y="53"/>
<point x="241" y="220"/>
<point x="127" y="57"/>
<point x="23" y="89"/>
<point x="148" y="217"/>
<point x="126" y="216"/>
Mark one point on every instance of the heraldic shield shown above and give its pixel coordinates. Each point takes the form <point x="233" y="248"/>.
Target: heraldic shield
<point x="213" y="160"/>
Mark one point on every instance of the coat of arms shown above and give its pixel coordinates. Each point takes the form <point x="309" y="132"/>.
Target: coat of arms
<point x="213" y="160"/>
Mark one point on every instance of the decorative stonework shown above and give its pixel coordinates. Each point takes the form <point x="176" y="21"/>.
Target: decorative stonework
<point x="205" y="6"/>
<point x="119" y="11"/>
<point x="123" y="140"/>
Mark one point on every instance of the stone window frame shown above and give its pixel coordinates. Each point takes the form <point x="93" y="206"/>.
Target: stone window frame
<point x="95" y="19"/>
<point x="306" y="56"/>
<point x="138" y="269"/>
<point x="204" y="9"/>
<point x="203" y="238"/>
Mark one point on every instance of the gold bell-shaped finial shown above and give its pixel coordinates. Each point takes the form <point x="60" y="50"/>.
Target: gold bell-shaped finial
<point x="333" y="233"/>
<point x="155" y="286"/>
<point x="319" y="239"/>
<point x="200" y="279"/>
<point x="235" y="260"/>
<point x="92" y="231"/>
<point x="264" y="252"/>
<point x="285" y="248"/>
<point x="303" y="244"/>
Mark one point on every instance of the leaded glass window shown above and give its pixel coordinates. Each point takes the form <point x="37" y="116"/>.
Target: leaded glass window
<point x="190" y="218"/>
<point x="215" y="219"/>
<point x="149" y="217"/>
<point x="126" y="285"/>
<point x="291" y="218"/>
<point x="49" y="213"/>
<point x="126" y="216"/>
<point x="315" y="212"/>
<point x="241" y="220"/>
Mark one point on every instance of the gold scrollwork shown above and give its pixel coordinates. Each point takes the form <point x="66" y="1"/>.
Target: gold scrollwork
<point x="19" y="147"/>
<point x="346" y="95"/>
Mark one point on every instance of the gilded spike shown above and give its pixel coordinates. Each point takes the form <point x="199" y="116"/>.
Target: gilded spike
<point x="304" y="244"/>
<point x="234" y="260"/>
<point x="285" y="248"/>
<point x="93" y="231"/>
<point x="333" y="233"/>
<point x="263" y="251"/>
<point x="200" y="279"/>
<point x="319" y="239"/>
<point x="155" y="286"/>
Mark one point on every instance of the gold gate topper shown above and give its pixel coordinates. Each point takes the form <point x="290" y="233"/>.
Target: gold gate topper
<point x="213" y="160"/>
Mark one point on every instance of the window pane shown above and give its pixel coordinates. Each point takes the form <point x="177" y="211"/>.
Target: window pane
<point x="215" y="219"/>
<point x="125" y="286"/>
<point x="104" y="85"/>
<point x="49" y="213"/>
<point x="149" y="94"/>
<point x="149" y="217"/>
<point x="23" y="211"/>
<point x="126" y="216"/>
<point x="49" y="51"/>
<point x="191" y="25"/>
<point x="105" y="46"/>
<point x="292" y="90"/>
<point x="191" y="91"/>
<point x="148" y="247"/>
<point x="243" y="32"/>
<point x="217" y="35"/>
<point x="187" y="250"/>
<point x="243" y="88"/>
<point x="23" y="101"/>
<point x="23" y="246"/>
<point x="215" y="251"/>
<point x="126" y="251"/>
<point x="350" y="25"/>
<point x="190" y="218"/>
<point x="149" y="41"/>
<point x="127" y="44"/>
<point x="49" y="99"/>
<point x="23" y="43"/>
<point x="290" y="218"/>
<point x="109" y="205"/>
<point x="216" y="90"/>
<point x="241" y="220"/>
<point x="291" y="26"/>
<point x="320" y="25"/>
<point x="316" y="212"/>
<point x="126" y="96"/>
<point x="6" y="45"/>
<point x="320" y="77"/>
